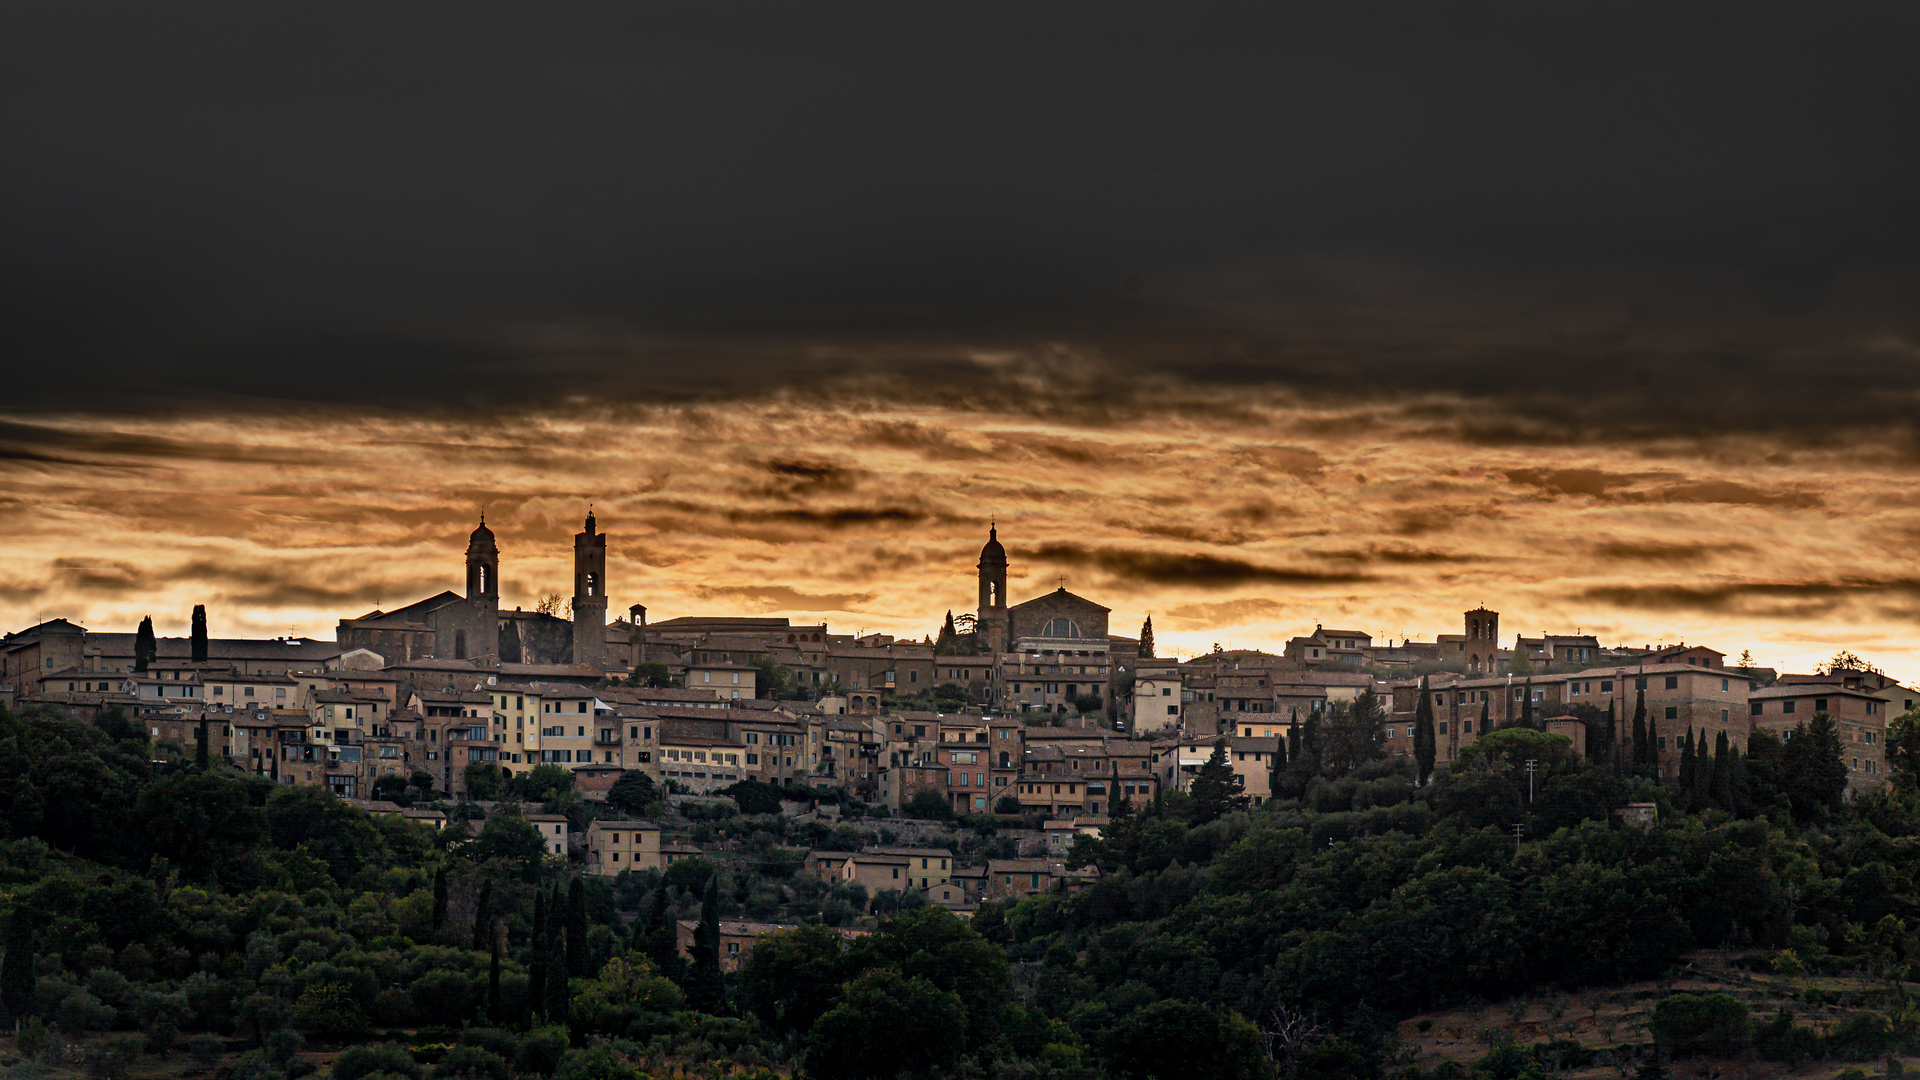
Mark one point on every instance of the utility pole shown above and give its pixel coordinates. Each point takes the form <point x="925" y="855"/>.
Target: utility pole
<point x="1516" y="838"/>
<point x="1531" y="764"/>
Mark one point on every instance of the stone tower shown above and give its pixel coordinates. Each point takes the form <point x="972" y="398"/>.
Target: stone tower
<point x="991" y="619"/>
<point x="483" y="566"/>
<point x="590" y="595"/>
<point x="1483" y="641"/>
<point x="480" y="637"/>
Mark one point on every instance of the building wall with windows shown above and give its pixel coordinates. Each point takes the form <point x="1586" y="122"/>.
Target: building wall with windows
<point x="1860" y="718"/>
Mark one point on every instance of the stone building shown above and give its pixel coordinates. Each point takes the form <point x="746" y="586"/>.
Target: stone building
<point x="449" y="626"/>
<point x="590" y="595"/>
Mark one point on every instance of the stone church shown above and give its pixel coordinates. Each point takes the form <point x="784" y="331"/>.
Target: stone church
<point x="1055" y="620"/>
<point x="449" y="626"/>
<point x="1049" y="653"/>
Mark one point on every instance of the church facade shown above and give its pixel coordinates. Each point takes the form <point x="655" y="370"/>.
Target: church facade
<point x="449" y="626"/>
<point x="1048" y="654"/>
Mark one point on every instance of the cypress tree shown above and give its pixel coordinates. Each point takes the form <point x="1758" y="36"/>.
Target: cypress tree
<point x="537" y="967"/>
<point x="559" y="994"/>
<point x="483" y="916"/>
<point x="1293" y="735"/>
<point x="16" y="968"/>
<point x="577" y="958"/>
<point x="1702" y="786"/>
<point x="1424" y="747"/>
<point x="1643" y="752"/>
<point x="705" y="990"/>
<point x="145" y="646"/>
<point x="440" y="898"/>
<point x="496" y="1013"/>
<point x="1685" y="778"/>
<point x="1119" y="806"/>
<point x="199" y="633"/>
<point x="1720" y="784"/>
<point x="1146" y="639"/>
<point x="202" y="752"/>
<point x="1216" y="788"/>
<point x="1614" y="732"/>
<point x="1485" y="714"/>
<point x="1740" y="795"/>
<point x="660" y="938"/>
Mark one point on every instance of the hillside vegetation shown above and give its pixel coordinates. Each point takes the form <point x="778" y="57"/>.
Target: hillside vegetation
<point x="179" y="921"/>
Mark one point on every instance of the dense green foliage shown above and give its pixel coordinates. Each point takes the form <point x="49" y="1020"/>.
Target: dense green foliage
<point x="182" y="903"/>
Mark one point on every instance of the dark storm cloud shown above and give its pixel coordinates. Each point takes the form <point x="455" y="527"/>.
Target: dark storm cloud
<point x="292" y="583"/>
<point x="1775" y="600"/>
<point x="1156" y="568"/>
<point x="1651" y="551"/>
<point x="1396" y="554"/>
<point x="1610" y="487"/>
<point x="1597" y="221"/>
<point x="698" y="516"/>
<point x="803" y="479"/>
<point x="33" y="442"/>
<point x="782" y="598"/>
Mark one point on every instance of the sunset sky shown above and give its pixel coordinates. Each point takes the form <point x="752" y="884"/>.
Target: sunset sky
<point x="1605" y="318"/>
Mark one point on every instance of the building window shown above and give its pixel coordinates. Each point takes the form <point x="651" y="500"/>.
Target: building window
<point x="1673" y="712"/>
<point x="1673" y="682"/>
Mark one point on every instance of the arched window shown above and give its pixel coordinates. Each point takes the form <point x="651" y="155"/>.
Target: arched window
<point x="480" y="579"/>
<point x="1060" y="628"/>
<point x="592" y="586"/>
<point x="993" y="594"/>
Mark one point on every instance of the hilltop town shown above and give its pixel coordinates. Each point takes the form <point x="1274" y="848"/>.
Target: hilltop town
<point x="1028" y="708"/>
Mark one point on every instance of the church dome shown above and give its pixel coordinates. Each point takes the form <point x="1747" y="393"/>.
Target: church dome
<point x="993" y="552"/>
<point x="482" y="537"/>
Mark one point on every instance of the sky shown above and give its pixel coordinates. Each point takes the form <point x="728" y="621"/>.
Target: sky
<point x="1244" y="316"/>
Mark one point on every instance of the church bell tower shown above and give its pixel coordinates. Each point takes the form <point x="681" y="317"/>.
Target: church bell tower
<point x="478" y="634"/>
<point x="590" y="595"/>
<point x="991" y="619"/>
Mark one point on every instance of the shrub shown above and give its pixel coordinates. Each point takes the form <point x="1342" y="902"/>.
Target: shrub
<point x="329" y="1010"/>
<point x="1700" y="1024"/>
<point x="1509" y="1061"/>
<point x="357" y="1062"/>
<point x="929" y="805"/>
<point x="597" y="1063"/>
<point x="754" y="797"/>
<point x="1862" y="1037"/>
<point x="471" y="1063"/>
<point x="283" y="1046"/>
<point x="205" y="1049"/>
<point x="493" y="1040"/>
<point x="1780" y="1039"/>
<point x="81" y="1011"/>
<point x="540" y="1051"/>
